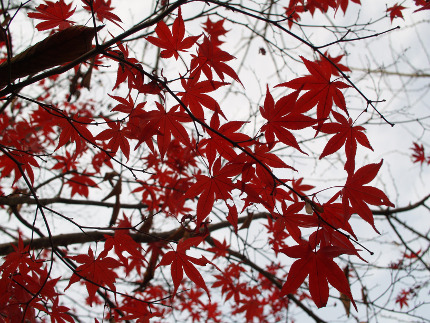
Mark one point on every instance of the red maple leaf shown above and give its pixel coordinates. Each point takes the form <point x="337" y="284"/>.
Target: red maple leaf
<point x="127" y="71"/>
<point x="103" y="10"/>
<point x="321" y="269"/>
<point x="20" y="260"/>
<point x="281" y="117"/>
<point x="321" y="91"/>
<point x="172" y="41"/>
<point x="117" y="136"/>
<point x="418" y="153"/>
<point x="290" y="220"/>
<point x="55" y="14"/>
<point x="402" y="298"/>
<point x="95" y="271"/>
<point x="180" y="262"/>
<point x="215" y="30"/>
<point x="395" y="11"/>
<point x="425" y="5"/>
<point x="163" y="124"/>
<point x="195" y="98"/>
<point x="66" y="163"/>
<point x="22" y="159"/>
<point x="57" y="313"/>
<point x="220" y="249"/>
<point x="322" y="5"/>
<point x="244" y="164"/>
<point x="292" y="12"/>
<point x="210" y="188"/>
<point x="218" y="145"/>
<point x="344" y="4"/>
<point x="127" y="105"/>
<point x="211" y="57"/>
<point x="336" y="60"/>
<point x="357" y="195"/>
<point x="74" y="129"/>
<point x="345" y="134"/>
<point x="122" y="242"/>
<point x="80" y="183"/>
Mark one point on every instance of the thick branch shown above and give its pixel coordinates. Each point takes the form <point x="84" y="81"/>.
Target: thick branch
<point x="17" y="200"/>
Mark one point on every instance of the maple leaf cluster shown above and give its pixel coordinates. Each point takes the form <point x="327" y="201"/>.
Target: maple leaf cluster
<point x="296" y="8"/>
<point x="187" y="159"/>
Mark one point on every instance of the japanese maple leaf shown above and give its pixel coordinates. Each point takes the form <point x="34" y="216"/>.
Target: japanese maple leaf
<point x="357" y="195"/>
<point x="102" y="9"/>
<point x="227" y="280"/>
<point x="220" y="249"/>
<point x="395" y="11"/>
<point x="292" y="12"/>
<point x="126" y="105"/>
<point x="172" y="41"/>
<point x="117" y="136"/>
<point x="96" y="272"/>
<point x="322" y="5"/>
<point x="217" y="145"/>
<point x="321" y="91"/>
<point x="57" y="312"/>
<point x="344" y="4"/>
<point x="215" y="30"/>
<point x="55" y="14"/>
<point x="281" y="118"/>
<point x="195" y="98"/>
<point x="180" y="262"/>
<point x="74" y="129"/>
<point x="244" y="164"/>
<point x="122" y="242"/>
<point x="345" y="134"/>
<point x="402" y="298"/>
<point x="80" y="183"/>
<point x="336" y="60"/>
<point x="164" y="124"/>
<point x="425" y="5"/>
<point x="418" y="153"/>
<point x="299" y="187"/>
<point x="20" y="260"/>
<point x="22" y="159"/>
<point x="66" y="163"/>
<point x="125" y="71"/>
<point x="211" y="57"/>
<point x="211" y="188"/>
<point x="320" y="268"/>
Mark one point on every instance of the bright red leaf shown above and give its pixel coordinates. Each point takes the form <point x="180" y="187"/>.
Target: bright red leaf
<point x="320" y="268"/>
<point x="180" y="262"/>
<point x="216" y="145"/>
<point x="395" y="11"/>
<point x="172" y="41"/>
<point x="282" y="117"/>
<point x="418" y="153"/>
<point x="195" y="99"/>
<point x="345" y="135"/>
<point x="118" y="138"/>
<point x="357" y="195"/>
<point x="163" y="124"/>
<point x="211" y="57"/>
<point x="95" y="272"/>
<point x="80" y="183"/>
<point x="103" y="10"/>
<point x="211" y="188"/>
<point x="54" y="13"/>
<point x="321" y="91"/>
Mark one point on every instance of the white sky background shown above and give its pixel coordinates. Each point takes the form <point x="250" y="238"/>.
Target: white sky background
<point x="401" y="50"/>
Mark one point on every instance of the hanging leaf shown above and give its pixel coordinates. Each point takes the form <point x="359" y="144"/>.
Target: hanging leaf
<point x="60" y="48"/>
